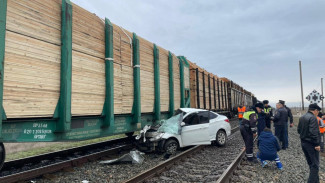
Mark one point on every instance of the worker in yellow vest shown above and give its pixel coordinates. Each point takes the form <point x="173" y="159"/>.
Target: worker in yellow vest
<point x="241" y="110"/>
<point x="248" y="130"/>
<point x="269" y="113"/>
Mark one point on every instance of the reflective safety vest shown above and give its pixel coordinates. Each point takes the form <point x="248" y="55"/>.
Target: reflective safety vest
<point x="241" y="112"/>
<point x="267" y="110"/>
<point x="321" y="124"/>
<point x="247" y="114"/>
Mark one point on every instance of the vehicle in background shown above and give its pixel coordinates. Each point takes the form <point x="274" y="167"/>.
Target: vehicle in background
<point x="187" y="127"/>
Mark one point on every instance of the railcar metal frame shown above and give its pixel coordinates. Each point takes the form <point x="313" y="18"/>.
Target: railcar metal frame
<point x="65" y="127"/>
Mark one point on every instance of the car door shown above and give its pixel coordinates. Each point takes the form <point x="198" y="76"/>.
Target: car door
<point x="214" y="125"/>
<point x="196" y="130"/>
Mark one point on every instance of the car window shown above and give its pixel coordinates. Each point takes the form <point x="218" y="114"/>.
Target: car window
<point x="204" y="117"/>
<point x="172" y="125"/>
<point x="213" y="115"/>
<point x="192" y="119"/>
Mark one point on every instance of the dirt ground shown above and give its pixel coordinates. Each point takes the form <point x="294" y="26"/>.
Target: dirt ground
<point x="19" y="147"/>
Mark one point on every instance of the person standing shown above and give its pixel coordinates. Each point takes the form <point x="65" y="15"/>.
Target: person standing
<point x="261" y="119"/>
<point x="248" y="130"/>
<point x="280" y="119"/>
<point x="268" y="112"/>
<point x="321" y="123"/>
<point x="241" y="110"/>
<point x="308" y="129"/>
<point x="286" y="137"/>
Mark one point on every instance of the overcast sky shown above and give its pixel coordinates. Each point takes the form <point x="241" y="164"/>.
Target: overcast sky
<point x="255" y="43"/>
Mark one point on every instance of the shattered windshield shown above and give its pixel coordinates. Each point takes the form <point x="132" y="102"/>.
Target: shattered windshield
<point x="172" y="125"/>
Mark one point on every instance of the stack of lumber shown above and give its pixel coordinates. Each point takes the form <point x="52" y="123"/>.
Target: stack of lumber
<point x="32" y="58"/>
<point x="33" y="61"/>
<point x="177" y="83"/>
<point x="193" y="87"/>
<point x="164" y="79"/>
<point x="88" y="64"/>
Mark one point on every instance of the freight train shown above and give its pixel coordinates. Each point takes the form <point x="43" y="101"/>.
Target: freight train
<point x="67" y="75"/>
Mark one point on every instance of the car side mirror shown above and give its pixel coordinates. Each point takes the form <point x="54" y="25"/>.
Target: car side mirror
<point x="183" y="124"/>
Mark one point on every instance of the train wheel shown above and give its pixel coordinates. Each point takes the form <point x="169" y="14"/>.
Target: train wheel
<point x="130" y="134"/>
<point x="2" y="155"/>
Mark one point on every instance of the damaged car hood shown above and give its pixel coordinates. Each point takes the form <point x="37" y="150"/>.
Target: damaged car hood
<point x="171" y="126"/>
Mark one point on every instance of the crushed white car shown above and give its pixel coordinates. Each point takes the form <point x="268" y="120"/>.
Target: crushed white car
<point x="186" y="128"/>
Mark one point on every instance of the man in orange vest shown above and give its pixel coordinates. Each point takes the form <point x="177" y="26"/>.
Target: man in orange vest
<point x="241" y="110"/>
<point x="321" y="123"/>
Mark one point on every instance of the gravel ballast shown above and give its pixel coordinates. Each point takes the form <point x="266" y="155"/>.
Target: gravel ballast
<point x="100" y="173"/>
<point x="295" y="167"/>
<point x="204" y="166"/>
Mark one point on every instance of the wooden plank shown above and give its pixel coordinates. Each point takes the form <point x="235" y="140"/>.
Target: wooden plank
<point x="32" y="67"/>
<point x="164" y="82"/>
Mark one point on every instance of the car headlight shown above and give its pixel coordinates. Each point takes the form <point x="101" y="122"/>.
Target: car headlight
<point x="157" y="137"/>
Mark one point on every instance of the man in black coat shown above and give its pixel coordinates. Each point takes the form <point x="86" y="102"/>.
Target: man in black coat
<point x="280" y="120"/>
<point x="269" y="113"/>
<point x="286" y="136"/>
<point x="308" y="129"/>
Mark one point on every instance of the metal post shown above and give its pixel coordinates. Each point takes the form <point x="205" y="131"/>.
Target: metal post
<point x="302" y="92"/>
<point x="214" y="93"/>
<point x="197" y="88"/>
<point x="63" y="110"/>
<point x="171" y="85"/>
<point x="136" y="110"/>
<point x="157" y="82"/>
<point x="108" y="111"/>
<point x="222" y="104"/>
<point x="182" y="87"/>
<point x="209" y="86"/>
<point x="3" y="17"/>
<point x="204" y="101"/>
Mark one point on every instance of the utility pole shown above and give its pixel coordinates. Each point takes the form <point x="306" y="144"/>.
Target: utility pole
<point x="302" y="92"/>
<point x="321" y="80"/>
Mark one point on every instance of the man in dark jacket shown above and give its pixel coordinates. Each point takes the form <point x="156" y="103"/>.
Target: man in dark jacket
<point x="308" y="129"/>
<point x="248" y="130"/>
<point x="286" y="136"/>
<point x="268" y="147"/>
<point x="261" y="122"/>
<point x="280" y="119"/>
<point x="269" y="113"/>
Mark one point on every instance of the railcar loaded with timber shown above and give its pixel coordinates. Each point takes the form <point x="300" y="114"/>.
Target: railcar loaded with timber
<point x="66" y="74"/>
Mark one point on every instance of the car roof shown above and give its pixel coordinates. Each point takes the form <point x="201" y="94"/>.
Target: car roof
<point x="190" y="110"/>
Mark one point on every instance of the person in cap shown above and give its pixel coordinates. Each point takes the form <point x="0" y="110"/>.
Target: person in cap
<point x="248" y="131"/>
<point x="308" y="130"/>
<point x="286" y="136"/>
<point x="280" y="119"/>
<point x="268" y="147"/>
<point x="261" y="118"/>
<point x="268" y="112"/>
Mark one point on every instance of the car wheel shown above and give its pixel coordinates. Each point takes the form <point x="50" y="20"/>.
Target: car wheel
<point x="221" y="138"/>
<point x="171" y="146"/>
<point x="2" y="154"/>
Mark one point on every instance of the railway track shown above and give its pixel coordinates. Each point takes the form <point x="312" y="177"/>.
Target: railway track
<point x="190" y="165"/>
<point x="32" y="167"/>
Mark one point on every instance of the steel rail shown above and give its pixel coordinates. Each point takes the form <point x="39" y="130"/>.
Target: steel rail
<point x="142" y="177"/>
<point x="37" y="172"/>
<point x="227" y="174"/>
<point x="163" y="166"/>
